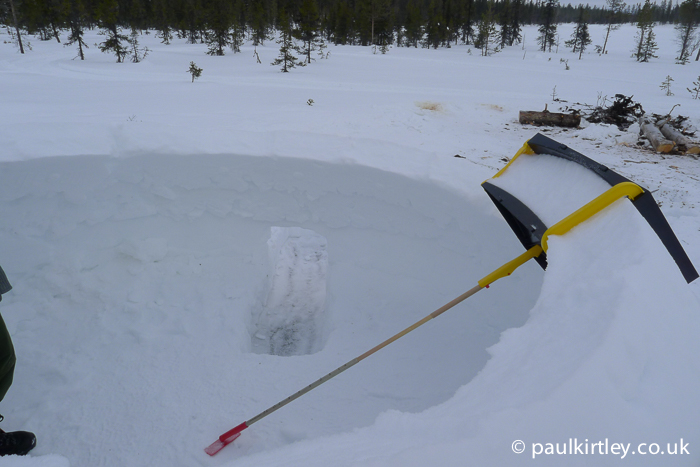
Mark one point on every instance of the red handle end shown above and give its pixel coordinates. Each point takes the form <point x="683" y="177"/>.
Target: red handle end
<point x="233" y="432"/>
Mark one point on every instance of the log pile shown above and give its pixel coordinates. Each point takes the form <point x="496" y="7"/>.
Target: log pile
<point x="664" y="138"/>
<point x="683" y="143"/>
<point x="655" y="137"/>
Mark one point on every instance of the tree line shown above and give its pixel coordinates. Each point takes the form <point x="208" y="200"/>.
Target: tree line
<point x="226" y="24"/>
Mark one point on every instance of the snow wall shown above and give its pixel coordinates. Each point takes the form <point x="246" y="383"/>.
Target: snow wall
<point x="136" y="282"/>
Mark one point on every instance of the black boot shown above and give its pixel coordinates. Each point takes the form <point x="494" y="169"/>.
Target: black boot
<point x="16" y="443"/>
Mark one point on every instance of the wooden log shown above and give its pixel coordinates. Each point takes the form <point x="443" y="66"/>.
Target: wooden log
<point x="684" y="144"/>
<point x="657" y="140"/>
<point x="531" y="117"/>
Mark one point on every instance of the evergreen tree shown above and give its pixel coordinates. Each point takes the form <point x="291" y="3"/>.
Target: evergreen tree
<point x="136" y="52"/>
<point x="516" y="29"/>
<point x="580" y="38"/>
<point x="107" y="11"/>
<point x="219" y="17"/>
<point x="76" y="17"/>
<point x="666" y="85"/>
<point x="467" y="22"/>
<point x="195" y="71"/>
<point x="162" y="14"/>
<point x="259" y="22"/>
<point x="286" y="56"/>
<point x="548" y="27"/>
<point x="307" y="30"/>
<point x="645" y="23"/>
<point x="505" y="23"/>
<point x="695" y="92"/>
<point x="450" y="14"/>
<point x="373" y="18"/>
<point x="649" y="47"/>
<point x="43" y="17"/>
<point x="191" y="21"/>
<point x="615" y="8"/>
<point x="435" y="27"/>
<point x="16" y="25"/>
<point x="414" y="24"/>
<point x="238" y="27"/>
<point x="487" y="37"/>
<point x="343" y="30"/>
<point x="685" y="29"/>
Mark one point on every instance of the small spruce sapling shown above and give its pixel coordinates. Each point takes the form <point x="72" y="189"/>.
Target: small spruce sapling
<point x="666" y="85"/>
<point x="695" y="92"/>
<point x="195" y="71"/>
<point x="137" y="52"/>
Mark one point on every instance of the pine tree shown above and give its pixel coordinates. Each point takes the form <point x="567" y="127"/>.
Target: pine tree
<point x="580" y="38"/>
<point x="307" y="30"/>
<point x="695" y="92"/>
<point x="343" y="30"/>
<point x="645" y="24"/>
<point x="115" y="42"/>
<point x="16" y="25"/>
<point x="487" y="37"/>
<point x="505" y="23"/>
<point x="649" y="47"/>
<point x="286" y="56"/>
<point x="136" y="52"/>
<point x="373" y="20"/>
<point x="414" y="24"/>
<point x="467" y="21"/>
<point x="74" y="11"/>
<point x="43" y="17"/>
<point x="666" y="85"/>
<point x="615" y="8"/>
<point x="191" y="20"/>
<point x="685" y="29"/>
<point x="435" y="27"/>
<point x="258" y="21"/>
<point x="162" y="14"/>
<point x="238" y="27"/>
<point x="219" y="18"/>
<point x="516" y="29"/>
<point x="548" y="28"/>
<point x="195" y="71"/>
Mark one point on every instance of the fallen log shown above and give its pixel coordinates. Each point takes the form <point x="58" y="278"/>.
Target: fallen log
<point x="531" y="117"/>
<point x="657" y="140"/>
<point x="684" y="144"/>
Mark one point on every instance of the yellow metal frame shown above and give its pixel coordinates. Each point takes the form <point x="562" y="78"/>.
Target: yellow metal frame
<point x="629" y="189"/>
<point x="526" y="149"/>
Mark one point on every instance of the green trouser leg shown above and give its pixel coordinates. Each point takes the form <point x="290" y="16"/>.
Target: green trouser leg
<point x="7" y="359"/>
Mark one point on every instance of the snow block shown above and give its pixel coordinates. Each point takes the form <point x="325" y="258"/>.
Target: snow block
<point x="293" y="312"/>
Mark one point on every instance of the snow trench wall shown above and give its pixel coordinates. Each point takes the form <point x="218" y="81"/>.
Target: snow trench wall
<point x="137" y="277"/>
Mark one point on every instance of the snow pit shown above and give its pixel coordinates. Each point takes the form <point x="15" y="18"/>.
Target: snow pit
<point x="135" y="280"/>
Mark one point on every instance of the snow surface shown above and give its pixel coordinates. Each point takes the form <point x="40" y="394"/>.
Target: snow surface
<point x="530" y="179"/>
<point x="137" y="209"/>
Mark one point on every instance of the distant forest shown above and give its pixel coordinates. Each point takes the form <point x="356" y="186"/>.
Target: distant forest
<point x="225" y="24"/>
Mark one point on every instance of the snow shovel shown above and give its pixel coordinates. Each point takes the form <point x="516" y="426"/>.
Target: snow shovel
<point x="533" y="234"/>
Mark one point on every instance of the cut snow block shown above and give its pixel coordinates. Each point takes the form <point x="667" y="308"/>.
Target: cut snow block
<point x="292" y="318"/>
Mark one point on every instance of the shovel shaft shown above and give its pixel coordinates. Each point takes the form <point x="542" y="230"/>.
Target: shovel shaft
<point x="234" y="433"/>
<point x="357" y="360"/>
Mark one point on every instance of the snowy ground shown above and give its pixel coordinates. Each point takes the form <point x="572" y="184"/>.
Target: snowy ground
<point x="140" y="259"/>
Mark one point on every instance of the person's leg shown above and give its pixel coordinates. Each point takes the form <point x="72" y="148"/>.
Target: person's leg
<point x="7" y="359"/>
